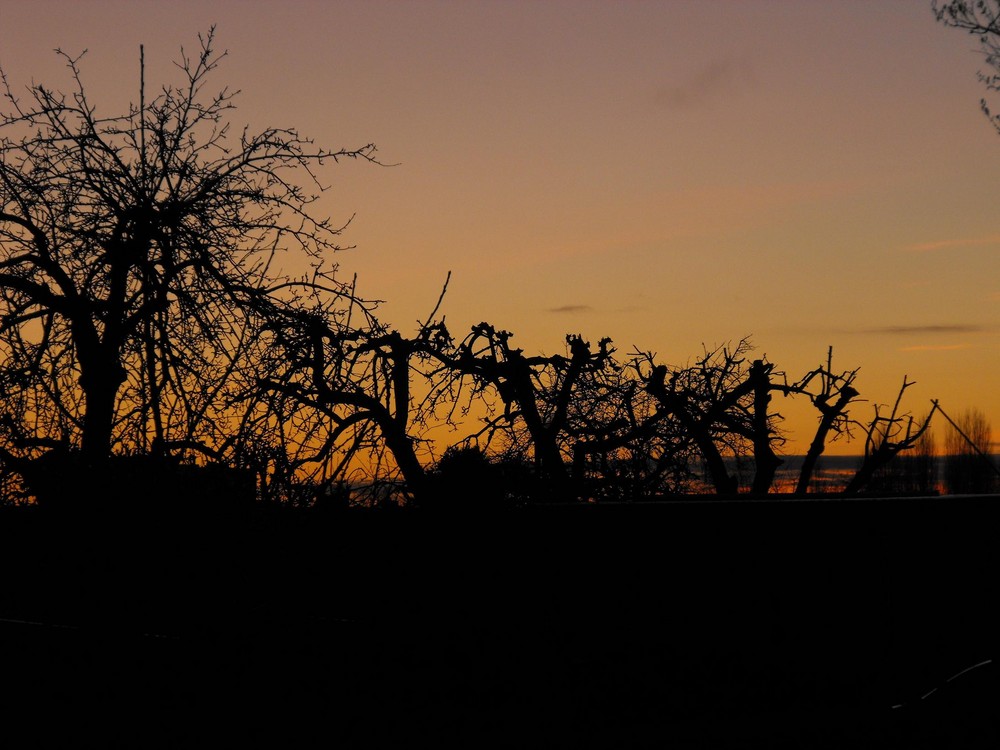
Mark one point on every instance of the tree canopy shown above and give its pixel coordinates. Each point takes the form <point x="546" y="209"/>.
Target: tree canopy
<point x="140" y="256"/>
<point x="981" y="19"/>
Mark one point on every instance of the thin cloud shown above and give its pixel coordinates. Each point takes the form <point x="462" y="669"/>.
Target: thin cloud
<point x="931" y="348"/>
<point x="717" y="77"/>
<point x="953" y="244"/>
<point x="922" y="330"/>
<point x="570" y="309"/>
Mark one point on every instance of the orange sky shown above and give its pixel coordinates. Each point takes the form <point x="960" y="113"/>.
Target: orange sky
<point x="669" y="174"/>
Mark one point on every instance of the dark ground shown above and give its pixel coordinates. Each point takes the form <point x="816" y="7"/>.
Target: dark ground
<point x="704" y="625"/>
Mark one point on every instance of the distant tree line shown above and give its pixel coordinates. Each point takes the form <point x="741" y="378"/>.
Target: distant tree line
<point x="146" y="321"/>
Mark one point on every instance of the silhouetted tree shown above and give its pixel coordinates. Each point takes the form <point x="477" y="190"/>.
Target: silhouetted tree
<point x="584" y="420"/>
<point x="835" y="392"/>
<point x="723" y="406"/>
<point x="138" y="253"/>
<point x="349" y="389"/>
<point x="914" y="472"/>
<point x="886" y="436"/>
<point x="626" y="446"/>
<point x="980" y="18"/>
<point x="968" y="466"/>
<point x="537" y="393"/>
<point x="920" y="465"/>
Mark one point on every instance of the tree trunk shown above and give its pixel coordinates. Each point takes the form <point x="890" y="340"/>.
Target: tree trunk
<point x="100" y="391"/>
<point x="830" y="414"/>
<point x="765" y="460"/>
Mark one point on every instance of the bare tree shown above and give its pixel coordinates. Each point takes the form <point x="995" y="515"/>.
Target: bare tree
<point x="626" y="445"/>
<point x="537" y="392"/>
<point x="136" y="254"/>
<point x="831" y="393"/>
<point x="914" y="472"/>
<point x="981" y="19"/>
<point x="724" y="407"/>
<point x="886" y="436"/>
<point x="968" y="466"/>
<point x="349" y="389"/>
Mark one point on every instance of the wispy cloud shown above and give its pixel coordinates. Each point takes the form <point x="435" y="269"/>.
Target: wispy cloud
<point x="571" y="309"/>
<point x="921" y="330"/>
<point x="953" y="244"/>
<point x="947" y="332"/>
<point x="717" y="77"/>
<point x="932" y="348"/>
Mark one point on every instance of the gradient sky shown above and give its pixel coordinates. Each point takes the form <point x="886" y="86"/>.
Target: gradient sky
<point x="669" y="174"/>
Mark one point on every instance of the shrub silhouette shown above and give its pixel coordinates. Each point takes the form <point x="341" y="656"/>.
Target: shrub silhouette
<point x="466" y="480"/>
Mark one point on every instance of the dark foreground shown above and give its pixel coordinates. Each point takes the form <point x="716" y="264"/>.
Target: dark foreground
<point x="706" y="624"/>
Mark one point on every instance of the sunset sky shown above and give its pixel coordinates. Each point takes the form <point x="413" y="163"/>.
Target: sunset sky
<point x="669" y="174"/>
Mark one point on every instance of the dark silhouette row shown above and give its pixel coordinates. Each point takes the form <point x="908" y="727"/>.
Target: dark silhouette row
<point x="143" y="315"/>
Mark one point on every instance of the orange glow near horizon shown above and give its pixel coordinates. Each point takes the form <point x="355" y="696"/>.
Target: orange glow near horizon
<point x="671" y="175"/>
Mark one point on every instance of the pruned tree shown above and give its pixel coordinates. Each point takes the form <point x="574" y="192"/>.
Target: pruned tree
<point x="724" y="407"/>
<point x="349" y="389"/>
<point x="538" y="395"/>
<point x="886" y="436"/>
<point x="138" y="254"/>
<point x="981" y="19"/>
<point x="914" y="472"/>
<point x="626" y="445"/>
<point x="831" y="393"/>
